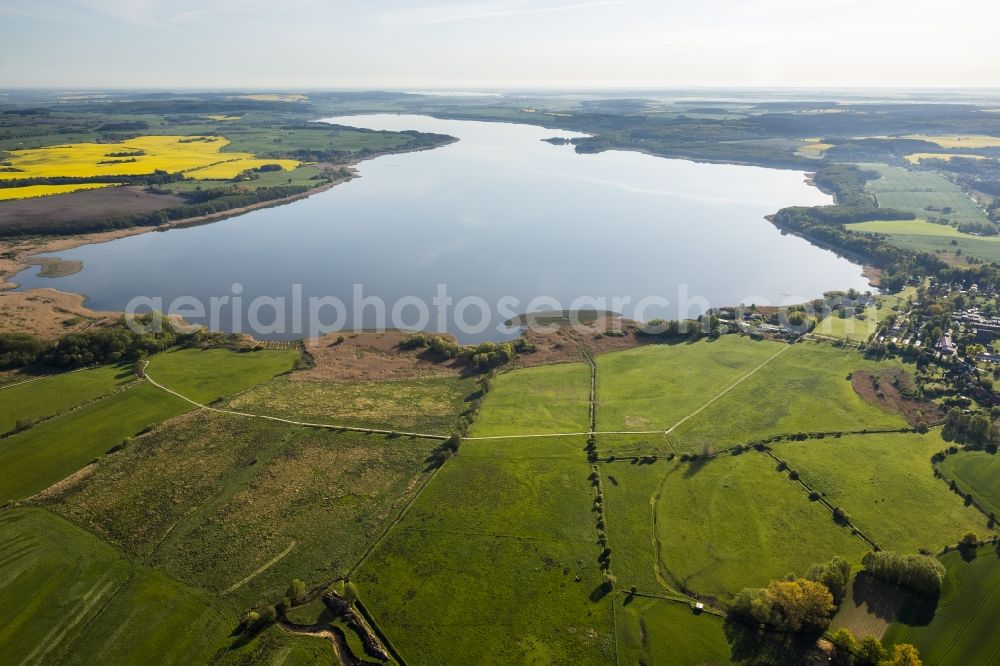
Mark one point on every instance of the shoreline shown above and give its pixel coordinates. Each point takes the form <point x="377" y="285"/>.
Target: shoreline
<point x="25" y="257"/>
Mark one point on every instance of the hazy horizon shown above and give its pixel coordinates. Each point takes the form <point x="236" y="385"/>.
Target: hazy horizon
<point x="500" y="45"/>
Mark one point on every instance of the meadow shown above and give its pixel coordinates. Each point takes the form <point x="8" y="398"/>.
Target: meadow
<point x="963" y="629"/>
<point x="427" y="404"/>
<point x="49" y="452"/>
<point x="666" y="633"/>
<point x="977" y="473"/>
<point x="57" y="447"/>
<point x="734" y="522"/>
<point x="805" y="389"/>
<point x="857" y="327"/>
<point x="241" y="506"/>
<point x="654" y="387"/>
<point x="206" y="375"/>
<point x="279" y="647"/>
<point x="539" y="400"/>
<point x="888" y="487"/>
<point x="924" y="236"/>
<point x="47" y="396"/>
<point x="67" y="597"/>
<point x="512" y="532"/>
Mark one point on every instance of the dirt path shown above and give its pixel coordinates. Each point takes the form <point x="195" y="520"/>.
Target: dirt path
<point x="305" y="424"/>
<point x="340" y="648"/>
<point x="267" y="565"/>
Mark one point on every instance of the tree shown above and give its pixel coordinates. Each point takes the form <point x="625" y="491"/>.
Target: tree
<point x="846" y="645"/>
<point x="904" y="654"/>
<point x="870" y="650"/>
<point x="797" y="605"/>
<point x="835" y="575"/>
<point x="296" y="591"/>
<point x="919" y="573"/>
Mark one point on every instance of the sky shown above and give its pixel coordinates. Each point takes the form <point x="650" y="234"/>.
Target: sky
<point x="498" y="44"/>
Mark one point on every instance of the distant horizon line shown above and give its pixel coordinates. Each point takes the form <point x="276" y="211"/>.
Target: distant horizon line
<point x="416" y="89"/>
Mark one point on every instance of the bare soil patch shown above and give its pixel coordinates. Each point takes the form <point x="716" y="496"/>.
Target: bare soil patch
<point x="48" y="314"/>
<point x="86" y="205"/>
<point x="565" y="342"/>
<point x="370" y="355"/>
<point x="889" y="389"/>
<point x="871" y="605"/>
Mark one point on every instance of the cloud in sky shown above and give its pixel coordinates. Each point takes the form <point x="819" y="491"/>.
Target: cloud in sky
<point x="498" y="43"/>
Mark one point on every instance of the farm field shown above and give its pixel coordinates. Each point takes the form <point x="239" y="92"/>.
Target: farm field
<point x="805" y="389"/>
<point x="888" y="488"/>
<point x="978" y="473"/>
<point x="666" y="633"/>
<point x="733" y="522"/>
<point x="926" y="236"/>
<point x="491" y="532"/>
<point x="916" y="158"/>
<point x="51" y="395"/>
<point x="923" y="193"/>
<point x="428" y="405"/>
<point x="205" y="375"/>
<point x="137" y="156"/>
<point x="654" y="387"/>
<point x="963" y="629"/>
<point x="959" y="140"/>
<point x="539" y="400"/>
<point x="65" y="596"/>
<point x="36" y="191"/>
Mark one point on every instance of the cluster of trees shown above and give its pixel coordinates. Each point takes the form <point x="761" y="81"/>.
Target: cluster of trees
<point x="920" y="573"/>
<point x="788" y="605"/>
<point x="18" y="350"/>
<point x="869" y="651"/>
<point x="485" y="356"/>
<point x="112" y="344"/>
<point x="158" y="177"/>
<point x="970" y="429"/>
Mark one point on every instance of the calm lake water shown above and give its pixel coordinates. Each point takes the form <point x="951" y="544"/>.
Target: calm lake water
<point x="498" y="215"/>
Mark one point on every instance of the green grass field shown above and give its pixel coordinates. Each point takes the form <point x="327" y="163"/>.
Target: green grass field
<point x="277" y="647"/>
<point x="58" y="447"/>
<point x="806" y="389"/>
<point x="205" y="375"/>
<point x="628" y="510"/>
<point x="858" y="328"/>
<point x="977" y="473"/>
<point x="267" y="140"/>
<point x="503" y="549"/>
<point x="241" y="506"/>
<point x="35" y="459"/>
<point x="52" y="395"/>
<point x="963" y="630"/>
<point x="661" y="632"/>
<point x="544" y="399"/>
<point x="656" y="386"/>
<point x="67" y="597"/>
<point x="429" y="404"/>
<point x="886" y="484"/>
<point x="919" y="191"/>
<point x="926" y="236"/>
<point x="734" y="522"/>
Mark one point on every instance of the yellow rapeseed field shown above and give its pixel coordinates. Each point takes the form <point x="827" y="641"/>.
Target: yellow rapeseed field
<point x="815" y="148"/>
<point x="32" y="191"/>
<point x="916" y="157"/>
<point x="960" y="141"/>
<point x="141" y="155"/>
<point x="232" y="168"/>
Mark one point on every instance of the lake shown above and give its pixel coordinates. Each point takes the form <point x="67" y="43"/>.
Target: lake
<point x="499" y="222"/>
